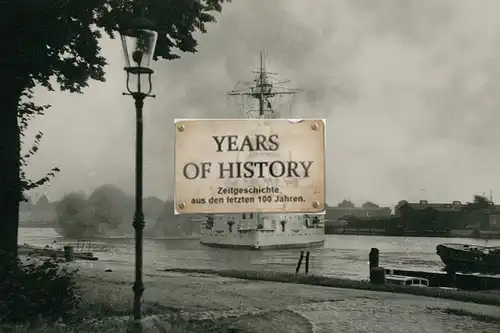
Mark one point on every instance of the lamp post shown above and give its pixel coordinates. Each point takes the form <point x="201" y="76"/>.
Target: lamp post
<point x="139" y="42"/>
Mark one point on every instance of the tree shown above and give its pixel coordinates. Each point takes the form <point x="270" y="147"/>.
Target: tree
<point x="475" y="210"/>
<point x="171" y="225"/>
<point x="105" y="211"/>
<point x="10" y="183"/>
<point x="42" y="203"/>
<point x="26" y="111"/>
<point x="74" y="216"/>
<point x="479" y="203"/>
<point x="153" y="207"/>
<point x="346" y="204"/>
<point x="26" y="205"/>
<point x="370" y="204"/>
<point x="410" y="217"/>
<point x="59" y="40"/>
<point x="111" y="207"/>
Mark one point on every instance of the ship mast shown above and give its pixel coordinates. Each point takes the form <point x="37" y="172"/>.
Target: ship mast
<point x="262" y="89"/>
<point x="262" y="80"/>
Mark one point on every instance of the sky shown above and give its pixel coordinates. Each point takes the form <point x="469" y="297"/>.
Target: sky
<point x="410" y="91"/>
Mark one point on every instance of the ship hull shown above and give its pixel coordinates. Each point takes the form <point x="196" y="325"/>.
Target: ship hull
<point x="461" y="258"/>
<point x="316" y="244"/>
<point x="264" y="240"/>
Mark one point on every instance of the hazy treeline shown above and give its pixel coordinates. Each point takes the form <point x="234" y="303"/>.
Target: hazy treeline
<point x="109" y="211"/>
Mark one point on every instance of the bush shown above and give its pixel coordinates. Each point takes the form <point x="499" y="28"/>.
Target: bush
<point x="37" y="288"/>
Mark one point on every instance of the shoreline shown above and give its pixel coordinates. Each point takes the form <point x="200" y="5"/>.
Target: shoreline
<point x="453" y="233"/>
<point x="194" y="301"/>
<point x="120" y="274"/>
<point x="489" y="297"/>
<point x="329" y="230"/>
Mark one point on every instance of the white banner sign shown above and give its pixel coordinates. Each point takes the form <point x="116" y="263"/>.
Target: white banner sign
<point x="249" y="165"/>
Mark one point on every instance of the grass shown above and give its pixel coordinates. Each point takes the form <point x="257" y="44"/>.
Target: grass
<point x="107" y="310"/>
<point x="465" y="313"/>
<point x="110" y="313"/>
<point x="119" y="325"/>
<point x="457" y="295"/>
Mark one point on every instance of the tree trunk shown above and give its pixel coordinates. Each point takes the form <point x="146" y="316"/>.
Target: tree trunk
<point x="10" y="186"/>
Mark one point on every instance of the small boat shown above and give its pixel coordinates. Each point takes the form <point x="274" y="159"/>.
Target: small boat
<point x="409" y="281"/>
<point x="470" y="258"/>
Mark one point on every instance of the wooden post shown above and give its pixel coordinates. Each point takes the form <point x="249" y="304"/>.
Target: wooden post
<point x="452" y="277"/>
<point x="374" y="258"/>
<point x="68" y="253"/>
<point x="300" y="262"/>
<point x="377" y="275"/>
<point x="307" y="262"/>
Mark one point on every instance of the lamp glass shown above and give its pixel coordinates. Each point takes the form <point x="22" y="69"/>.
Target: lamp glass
<point x="138" y="49"/>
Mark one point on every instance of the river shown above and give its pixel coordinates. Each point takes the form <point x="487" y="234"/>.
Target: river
<point x="343" y="256"/>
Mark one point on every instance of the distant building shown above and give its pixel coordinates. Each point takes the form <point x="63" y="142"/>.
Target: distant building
<point x="347" y="209"/>
<point x="494" y="220"/>
<point x="454" y="207"/>
<point x="452" y="215"/>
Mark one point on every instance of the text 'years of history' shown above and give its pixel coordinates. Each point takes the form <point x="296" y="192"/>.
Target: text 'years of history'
<point x="247" y="169"/>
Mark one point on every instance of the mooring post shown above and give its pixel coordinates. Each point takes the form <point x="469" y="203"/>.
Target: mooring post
<point x="307" y="262"/>
<point x="374" y="262"/>
<point x="300" y="262"/>
<point x="374" y="258"/>
<point x="452" y="277"/>
<point x="68" y="253"/>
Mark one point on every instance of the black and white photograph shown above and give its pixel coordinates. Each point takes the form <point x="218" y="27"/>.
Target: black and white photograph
<point x="250" y="166"/>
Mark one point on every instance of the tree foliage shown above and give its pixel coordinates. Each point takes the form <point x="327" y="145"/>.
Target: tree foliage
<point x="479" y="203"/>
<point x="104" y="212"/>
<point x="418" y="219"/>
<point x="153" y="207"/>
<point x="346" y="204"/>
<point x="370" y="204"/>
<point x="170" y="225"/>
<point x="111" y="207"/>
<point x="476" y="211"/>
<point x="37" y="288"/>
<point x="58" y="41"/>
<point x="109" y="211"/>
<point x="75" y="217"/>
<point x="28" y="110"/>
<point x="60" y="38"/>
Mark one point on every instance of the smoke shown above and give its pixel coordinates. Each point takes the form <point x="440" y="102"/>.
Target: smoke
<point x="409" y="90"/>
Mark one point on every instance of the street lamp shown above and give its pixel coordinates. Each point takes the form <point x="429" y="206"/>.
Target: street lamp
<point x="139" y="42"/>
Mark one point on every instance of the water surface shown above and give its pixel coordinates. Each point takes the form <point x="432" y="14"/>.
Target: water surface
<point x="342" y="256"/>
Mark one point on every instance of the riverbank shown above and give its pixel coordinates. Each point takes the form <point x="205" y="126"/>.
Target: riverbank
<point x="453" y="233"/>
<point x="489" y="298"/>
<point x="199" y="302"/>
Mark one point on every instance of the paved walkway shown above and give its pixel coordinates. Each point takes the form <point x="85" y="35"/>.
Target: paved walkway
<point x="279" y="307"/>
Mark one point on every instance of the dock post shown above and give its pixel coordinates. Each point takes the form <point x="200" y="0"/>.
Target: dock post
<point x="307" y="262"/>
<point x="297" y="269"/>
<point x="377" y="275"/>
<point x="373" y="257"/>
<point x="452" y="277"/>
<point x="68" y="253"/>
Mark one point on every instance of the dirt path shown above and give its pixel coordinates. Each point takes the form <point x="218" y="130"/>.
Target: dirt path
<point x="279" y="307"/>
